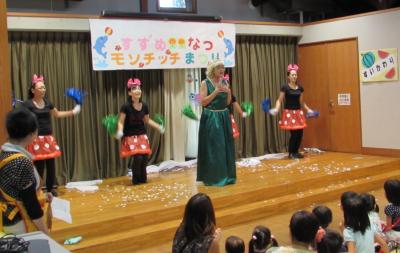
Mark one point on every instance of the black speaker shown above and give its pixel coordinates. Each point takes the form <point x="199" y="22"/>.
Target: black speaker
<point x="257" y="2"/>
<point x="159" y="16"/>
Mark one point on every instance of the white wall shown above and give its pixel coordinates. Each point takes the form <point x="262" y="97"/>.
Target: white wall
<point x="380" y="102"/>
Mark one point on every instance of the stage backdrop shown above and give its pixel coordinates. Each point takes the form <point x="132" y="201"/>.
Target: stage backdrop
<point x="379" y="65"/>
<point x="131" y="44"/>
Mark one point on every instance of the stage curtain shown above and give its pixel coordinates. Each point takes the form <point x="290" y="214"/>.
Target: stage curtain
<point x="260" y="71"/>
<point x="175" y="134"/>
<point x="65" y="61"/>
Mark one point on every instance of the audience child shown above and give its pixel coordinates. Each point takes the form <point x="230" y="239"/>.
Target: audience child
<point x="261" y="240"/>
<point x="234" y="244"/>
<point x="303" y="228"/>
<point x="324" y="215"/>
<point x="358" y="234"/>
<point x="330" y="242"/>
<point x="392" y="210"/>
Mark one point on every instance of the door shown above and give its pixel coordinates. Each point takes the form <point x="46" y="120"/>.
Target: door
<point x="329" y="75"/>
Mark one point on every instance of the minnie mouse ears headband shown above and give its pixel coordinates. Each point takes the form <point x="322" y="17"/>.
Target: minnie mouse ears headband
<point x="37" y="78"/>
<point x="292" y="66"/>
<point x="133" y="83"/>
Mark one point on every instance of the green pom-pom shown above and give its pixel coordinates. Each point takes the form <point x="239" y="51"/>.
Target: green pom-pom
<point x="188" y="112"/>
<point x="248" y="107"/>
<point x="159" y="119"/>
<point x="110" y="122"/>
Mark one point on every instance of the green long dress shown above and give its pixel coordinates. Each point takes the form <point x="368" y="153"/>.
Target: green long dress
<point x="216" y="153"/>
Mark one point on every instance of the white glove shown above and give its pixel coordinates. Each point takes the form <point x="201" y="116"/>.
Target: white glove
<point x="76" y="110"/>
<point x="119" y="134"/>
<point x="161" y="129"/>
<point x="244" y="115"/>
<point x="273" y="111"/>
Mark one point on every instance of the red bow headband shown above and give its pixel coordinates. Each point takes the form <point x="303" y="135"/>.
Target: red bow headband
<point x="133" y="83"/>
<point x="292" y="66"/>
<point x="36" y="79"/>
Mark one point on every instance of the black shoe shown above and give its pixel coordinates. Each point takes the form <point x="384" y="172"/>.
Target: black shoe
<point x="298" y="156"/>
<point x="54" y="193"/>
<point x="291" y="156"/>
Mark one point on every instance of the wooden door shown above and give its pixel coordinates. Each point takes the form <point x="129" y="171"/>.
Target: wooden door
<point x="326" y="70"/>
<point x="313" y="77"/>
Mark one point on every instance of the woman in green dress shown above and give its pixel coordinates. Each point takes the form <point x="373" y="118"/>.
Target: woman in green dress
<point x="216" y="153"/>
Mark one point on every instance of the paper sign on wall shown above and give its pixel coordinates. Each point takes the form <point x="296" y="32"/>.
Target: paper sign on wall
<point x="344" y="99"/>
<point x="144" y="44"/>
<point x="378" y="65"/>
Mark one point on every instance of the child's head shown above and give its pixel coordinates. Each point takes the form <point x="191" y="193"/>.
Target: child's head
<point x="199" y="217"/>
<point x="347" y="195"/>
<point x="260" y="239"/>
<point x="324" y="215"/>
<point x="369" y="201"/>
<point x="234" y="244"/>
<point x="21" y="125"/>
<point x="392" y="191"/>
<point x="355" y="214"/>
<point x="303" y="226"/>
<point x="331" y="242"/>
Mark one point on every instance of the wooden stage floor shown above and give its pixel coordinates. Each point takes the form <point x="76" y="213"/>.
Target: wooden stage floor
<point x="125" y="218"/>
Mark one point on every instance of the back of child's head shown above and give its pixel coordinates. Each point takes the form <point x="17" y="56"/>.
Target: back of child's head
<point x="234" y="244"/>
<point x="392" y="191"/>
<point x="347" y="195"/>
<point x="355" y="214"/>
<point x="369" y="201"/>
<point x="303" y="226"/>
<point x="324" y="215"/>
<point x="20" y="123"/>
<point x="260" y="239"/>
<point x="331" y="242"/>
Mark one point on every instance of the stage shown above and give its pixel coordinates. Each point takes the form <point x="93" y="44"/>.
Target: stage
<point x="125" y="218"/>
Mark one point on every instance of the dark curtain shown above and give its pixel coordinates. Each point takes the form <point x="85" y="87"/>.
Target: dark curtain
<point x="260" y="71"/>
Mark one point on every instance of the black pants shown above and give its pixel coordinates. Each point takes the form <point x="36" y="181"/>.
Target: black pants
<point x="138" y="164"/>
<point x="50" y="165"/>
<point x="295" y="140"/>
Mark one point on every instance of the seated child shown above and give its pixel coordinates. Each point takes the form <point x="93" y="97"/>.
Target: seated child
<point x="330" y="242"/>
<point x="261" y="240"/>
<point x="234" y="244"/>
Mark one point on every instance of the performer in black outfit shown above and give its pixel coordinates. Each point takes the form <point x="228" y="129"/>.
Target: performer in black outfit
<point x="135" y="143"/>
<point x="293" y="118"/>
<point x="45" y="148"/>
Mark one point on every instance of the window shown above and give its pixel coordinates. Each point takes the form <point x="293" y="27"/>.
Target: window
<point x="173" y="4"/>
<point x="186" y="6"/>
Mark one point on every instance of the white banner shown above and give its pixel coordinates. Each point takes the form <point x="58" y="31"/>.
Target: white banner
<point x="131" y="44"/>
